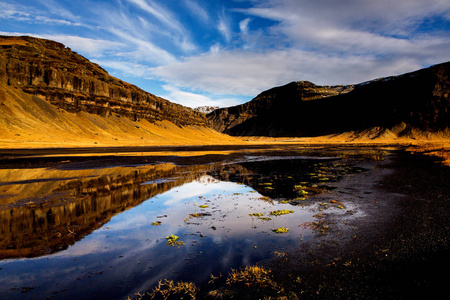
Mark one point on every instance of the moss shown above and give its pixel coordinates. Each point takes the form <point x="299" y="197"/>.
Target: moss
<point x="173" y="240"/>
<point x="280" y="230"/>
<point x="281" y="212"/>
<point x="199" y="215"/>
<point x="256" y="214"/>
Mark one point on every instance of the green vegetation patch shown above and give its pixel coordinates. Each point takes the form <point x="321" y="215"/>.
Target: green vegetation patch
<point x="281" y="212"/>
<point x="256" y="215"/>
<point x="173" y="240"/>
<point x="280" y="230"/>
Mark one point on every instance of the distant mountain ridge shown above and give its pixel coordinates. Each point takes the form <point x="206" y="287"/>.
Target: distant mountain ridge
<point x="51" y="71"/>
<point x="417" y="100"/>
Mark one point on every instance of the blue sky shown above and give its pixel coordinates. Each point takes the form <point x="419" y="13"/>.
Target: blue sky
<point x="223" y="53"/>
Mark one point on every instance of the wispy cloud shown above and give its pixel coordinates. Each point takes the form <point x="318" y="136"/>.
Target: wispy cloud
<point x="198" y="11"/>
<point x="93" y="47"/>
<point x="347" y="25"/>
<point x="24" y="14"/>
<point x="159" y="13"/>
<point x="124" y="67"/>
<point x="224" y="26"/>
<point x="143" y="50"/>
<point x="243" y="25"/>
<point x="170" y="23"/>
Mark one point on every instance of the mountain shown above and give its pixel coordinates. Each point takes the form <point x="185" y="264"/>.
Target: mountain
<point x="50" y="94"/>
<point x="394" y="105"/>
<point x="206" y="109"/>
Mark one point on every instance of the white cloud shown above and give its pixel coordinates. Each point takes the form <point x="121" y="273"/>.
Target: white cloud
<point x="326" y="42"/>
<point x="243" y="25"/>
<point x="224" y="26"/>
<point x="197" y="10"/>
<point x="22" y="13"/>
<point x="92" y="47"/>
<point x="126" y="68"/>
<point x="179" y="35"/>
<point x="249" y="73"/>
<point x="159" y="13"/>
<point x="323" y="23"/>
<point x="143" y="50"/>
<point x="194" y="100"/>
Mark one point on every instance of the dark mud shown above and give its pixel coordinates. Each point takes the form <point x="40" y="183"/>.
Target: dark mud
<point x="399" y="248"/>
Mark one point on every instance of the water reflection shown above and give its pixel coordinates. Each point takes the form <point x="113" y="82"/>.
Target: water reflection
<point x="43" y="211"/>
<point x="112" y="223"/>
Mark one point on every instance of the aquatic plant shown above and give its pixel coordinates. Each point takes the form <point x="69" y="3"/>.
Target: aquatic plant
<point x="265" y="218"/>
<point x="319" y="227"/>
<point x="168" y="289"/>
<point x="299" y="187"/>
<point x="173" y="240"/>
<point x="199" y="215"/>
<point x="256" y="214"/>
<point x="204" y="206"/>
<point x="281" y="212"/>
<point x="157" y="223"/>
<point x="251" y="275"/>
<point x="280" y="230"/>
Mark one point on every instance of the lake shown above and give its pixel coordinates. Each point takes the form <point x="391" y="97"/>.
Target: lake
<point x="111" y="225"/>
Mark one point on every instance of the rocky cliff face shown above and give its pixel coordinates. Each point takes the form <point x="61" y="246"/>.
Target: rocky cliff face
<point x="51" y="71"/>
<point x="415" y="100"/>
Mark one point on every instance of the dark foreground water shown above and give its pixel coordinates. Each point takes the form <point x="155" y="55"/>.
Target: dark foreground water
<point x="71" y="230"/>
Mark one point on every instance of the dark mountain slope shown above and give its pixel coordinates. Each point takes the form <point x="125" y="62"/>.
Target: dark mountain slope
<point x="417" y="100"/>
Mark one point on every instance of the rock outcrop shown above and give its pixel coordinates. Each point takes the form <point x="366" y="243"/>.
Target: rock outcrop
<point x="58" y="75"/>
<point x="414" y="101"/>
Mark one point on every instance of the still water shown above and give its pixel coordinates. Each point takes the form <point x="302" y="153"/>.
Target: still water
<point x="71" y="233"/>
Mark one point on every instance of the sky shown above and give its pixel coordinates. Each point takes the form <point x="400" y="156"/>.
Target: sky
<point x="224" y="53"/>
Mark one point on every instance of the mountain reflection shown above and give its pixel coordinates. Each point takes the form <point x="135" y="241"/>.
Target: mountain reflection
<point x="43" y="211"/>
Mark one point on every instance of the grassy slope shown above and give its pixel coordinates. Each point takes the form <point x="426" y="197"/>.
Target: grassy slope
<point x="29" y="122"/>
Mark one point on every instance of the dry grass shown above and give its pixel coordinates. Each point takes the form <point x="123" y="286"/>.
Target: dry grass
<point x="27" y="121"/>
<point x="168" y="289"/>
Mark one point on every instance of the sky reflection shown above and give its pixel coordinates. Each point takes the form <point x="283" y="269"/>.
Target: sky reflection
<point x="128" y="254"/>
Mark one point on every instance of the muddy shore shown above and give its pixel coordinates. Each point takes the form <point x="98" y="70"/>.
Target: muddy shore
<point x="398" y="249"/>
